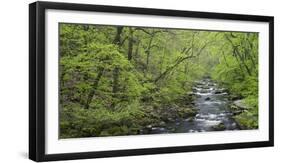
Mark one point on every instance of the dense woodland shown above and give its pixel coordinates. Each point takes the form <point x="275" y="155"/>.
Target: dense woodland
<point x="116" y="80"/>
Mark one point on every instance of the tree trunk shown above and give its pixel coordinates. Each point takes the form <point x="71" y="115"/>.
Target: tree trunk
<point x="117" y="41"/>
<point x="136" y="53"/>
<point x="147" y="51"/>
<point x="130" y="44"/>
<point x="226" y="63"/>
<point x="94" y="87"/>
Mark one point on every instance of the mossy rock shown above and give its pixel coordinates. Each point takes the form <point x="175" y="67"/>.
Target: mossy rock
<point x="219" y="127"/>
<point x="241" y="105"/>
<point x="247" y="121"/>
<point x="186" y="112"/>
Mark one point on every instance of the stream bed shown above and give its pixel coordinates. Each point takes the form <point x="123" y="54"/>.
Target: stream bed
<point x="213" y="113"/>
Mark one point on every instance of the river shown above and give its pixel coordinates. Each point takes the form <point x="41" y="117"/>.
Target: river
<point x="213" y="113"/>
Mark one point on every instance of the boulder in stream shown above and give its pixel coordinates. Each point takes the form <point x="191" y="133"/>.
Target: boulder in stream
<point x="219" y="127"/>
<point x="220" y="91"/>
<point x="207" y="99"/>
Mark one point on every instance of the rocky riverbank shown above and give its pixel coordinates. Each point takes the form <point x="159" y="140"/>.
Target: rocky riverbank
<point x="241" y="110"/>
<point x="243" y="115"/>
<point x="206" y="108"/>
<point x="209" y="107"/>
<point x="183" y="108"/>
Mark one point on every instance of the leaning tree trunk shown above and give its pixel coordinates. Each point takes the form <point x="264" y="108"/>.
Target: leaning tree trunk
<point x="94" y="88"/>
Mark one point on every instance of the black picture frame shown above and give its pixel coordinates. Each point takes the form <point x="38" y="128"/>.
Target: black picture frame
<point x="37" y="80"/>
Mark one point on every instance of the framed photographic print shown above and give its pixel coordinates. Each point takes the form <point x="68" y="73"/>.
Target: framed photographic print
<point x="117" y="81"/>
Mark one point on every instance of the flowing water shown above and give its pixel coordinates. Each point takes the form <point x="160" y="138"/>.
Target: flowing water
<point x="213" y="112"/>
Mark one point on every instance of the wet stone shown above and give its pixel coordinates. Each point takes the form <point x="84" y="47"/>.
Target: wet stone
<point x="207" y="99"/>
